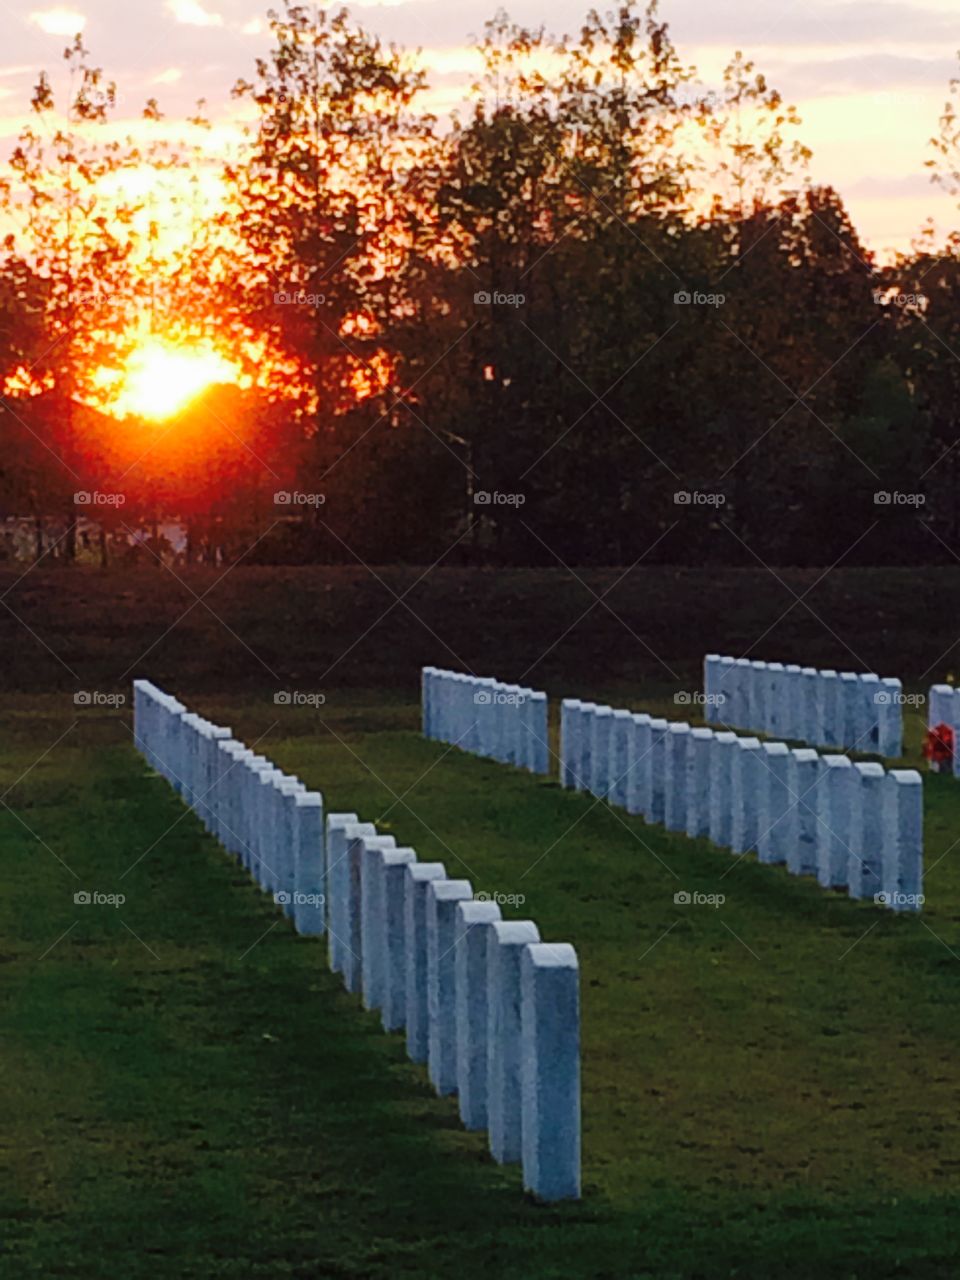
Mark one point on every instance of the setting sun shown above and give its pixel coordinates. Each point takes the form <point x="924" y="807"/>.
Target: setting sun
<point x="160" y="379"/>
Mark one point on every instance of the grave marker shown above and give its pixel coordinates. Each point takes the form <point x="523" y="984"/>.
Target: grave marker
<point x="417" y="878"/>
<point x="865" y="864"/>
<point x="506" y="941"/>
<point x="442" y="899"/>
<point x="474" y="920"/>
<point x="550" y="1021"/>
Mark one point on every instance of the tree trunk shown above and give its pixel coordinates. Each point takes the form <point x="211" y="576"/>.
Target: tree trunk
<point x="70" y="541"/>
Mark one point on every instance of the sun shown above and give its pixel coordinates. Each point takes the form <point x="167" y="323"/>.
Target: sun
<point x="161" y="378"/>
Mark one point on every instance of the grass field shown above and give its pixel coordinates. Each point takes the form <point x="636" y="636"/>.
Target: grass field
<point x="770" y="1087"/>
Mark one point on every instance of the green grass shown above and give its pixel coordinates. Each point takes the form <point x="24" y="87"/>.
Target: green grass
<point x="770" y="1088"/>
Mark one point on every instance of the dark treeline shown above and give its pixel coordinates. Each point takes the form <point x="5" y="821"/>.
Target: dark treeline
<point x="601" y="317"/>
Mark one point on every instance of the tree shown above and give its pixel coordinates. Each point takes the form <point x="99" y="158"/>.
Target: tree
<point x="325" y="213"/>
<point x="75" y="237"/>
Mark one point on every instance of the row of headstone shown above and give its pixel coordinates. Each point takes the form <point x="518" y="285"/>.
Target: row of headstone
<point x="943" y="707"/>
<point x="505" y="722"/>
<point x="491" y="1009"/>
<point x="801" y="704"/>
<point x="853" y="826"/>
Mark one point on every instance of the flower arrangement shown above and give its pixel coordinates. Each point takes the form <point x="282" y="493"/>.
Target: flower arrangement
<point x="938" y="748"/>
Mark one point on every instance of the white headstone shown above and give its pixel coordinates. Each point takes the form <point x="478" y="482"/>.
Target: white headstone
<point x="865" y="865"/>
<point x="639" y="764"/>
<point x="620" y="758"/>
<point x="868" y="727"/>
<point x="745" y="795"/>
<point x="849" y="701"/>
<point x="584" y="775"/>
<point x="474" y="922"/>
<point x="903" y="840"/>
<point x="804" y="776"/>
<point x="723" y="750"/>
<point x="538" y="718"/>
<point x="792" y="701"/>
<point x="836" y="793"/>
<point x="890" y="698"/>
<point x="828" y="701"/>
<point x="602" y="729"/>
<point x="336" y="885"/>
<point x="712" y="676"/>
<point x="352" y="932"/>
<point x="442" y="938"/>
<point x="810" y="726"/>
<point x="738" y="709"/>
<point x="776" y="817"/>
<point x="290" y="788"/>
<point x="426" y="698"/>
<point x="371" y="919"/>
<point x="699" y="754"/>
<point x="725" y="690"/>
<point x="417" y="878"/>
<point x="506" y="942"/>
<point x="393" y="1007"/>
<point x="676" y="753"/>
<point x="758" y="697"/>
<point x="658" y="770"/>
<point x="940" y="705"/>
<point x="308" y="864"/>
<point x="569" y="741"/>
<point x="550" y="1074"/>
<point x="776" y="691"/>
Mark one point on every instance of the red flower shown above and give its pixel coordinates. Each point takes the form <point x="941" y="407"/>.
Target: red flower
<point x="938" y="745"/>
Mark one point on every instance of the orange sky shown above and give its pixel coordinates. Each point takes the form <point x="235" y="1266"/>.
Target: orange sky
<point x="870" y="78"/>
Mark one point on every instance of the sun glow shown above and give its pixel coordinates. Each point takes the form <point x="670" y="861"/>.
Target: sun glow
<point x="161" y="378"/>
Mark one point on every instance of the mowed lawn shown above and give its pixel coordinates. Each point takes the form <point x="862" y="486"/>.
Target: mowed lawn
<point x="770" y="1087"/>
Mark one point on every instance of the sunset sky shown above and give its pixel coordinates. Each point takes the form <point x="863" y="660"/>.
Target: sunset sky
<point x="870" y="78"/>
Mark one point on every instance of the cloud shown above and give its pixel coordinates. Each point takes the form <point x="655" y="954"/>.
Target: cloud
<point x="739" y="24"/>
<point x="889" y="186"/>
<point x="874" y="73"/>
<point x="59" y="22"/>
<point x="193" y="14"/>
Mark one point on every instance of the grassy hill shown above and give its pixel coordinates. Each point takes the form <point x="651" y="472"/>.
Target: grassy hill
<point x="770" y="1086"/>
